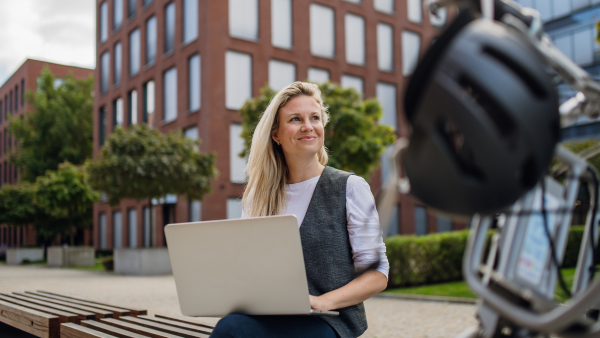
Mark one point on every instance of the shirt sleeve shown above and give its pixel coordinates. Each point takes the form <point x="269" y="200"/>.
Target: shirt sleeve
<point x="363" y="226"/>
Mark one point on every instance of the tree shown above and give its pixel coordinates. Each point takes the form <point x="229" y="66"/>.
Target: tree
<point x="142" y="163"/>
<point x="354" y="139"/>
<point x="65" y="196"/>
<point x="58" y="128"/>
<point x="17" y="207"/>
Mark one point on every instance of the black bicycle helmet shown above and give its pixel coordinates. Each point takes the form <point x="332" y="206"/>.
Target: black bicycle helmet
<point x="484" y="119"/>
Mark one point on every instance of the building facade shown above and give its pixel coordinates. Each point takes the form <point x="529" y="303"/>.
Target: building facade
<point x="191" y="64"/>
<point x="571" y="26"/>
<point x="13" y="104"/>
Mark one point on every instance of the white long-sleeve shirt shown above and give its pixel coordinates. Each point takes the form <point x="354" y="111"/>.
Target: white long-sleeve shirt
<point x="363" y="220"/>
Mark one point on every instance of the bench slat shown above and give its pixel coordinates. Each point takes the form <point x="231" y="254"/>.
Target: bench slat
<point x="117" y="312"/>
<point x="37" y="323"/>
<point x="138" y="329"/>
<point x="203" y="324"/>
<point x="165" y="328"/>
<point x="99" y="313"/>
<point x="134" y="311"/>
<point x="181" y="325"/>
<point x="70" y="330"/>
<point x="63" y="317"/>
<point x="115" y="331"/>
<point x="80" y="313"/>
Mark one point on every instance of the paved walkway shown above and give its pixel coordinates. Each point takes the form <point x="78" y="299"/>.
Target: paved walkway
<point x="386" y="317"/>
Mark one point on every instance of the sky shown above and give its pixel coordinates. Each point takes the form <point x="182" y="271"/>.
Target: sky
<point x="61" y="31"/>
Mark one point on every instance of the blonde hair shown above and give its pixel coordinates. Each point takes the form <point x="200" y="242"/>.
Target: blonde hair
<point x="267" y="169"/>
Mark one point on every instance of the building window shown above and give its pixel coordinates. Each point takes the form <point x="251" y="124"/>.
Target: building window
<point x="131" y="7"/>
<point x="438" y="20"/>
<point x="316" y="75"/>
<point x="444" y="223"/>
<point x="355" y="39"/>
<point x="353" y="1"/>
<point x="192" y="134"/>
<point x="349" y="81"/>
<point x="146" y="2"/>
<point x="281" y="74"/>
<point x="22" y="93"/>
<point x="132" y="110"/>
<point x="102" y="230"/>
<point x="105" y="71"/>
<point x="194" y="83"/>
<point x="146" y="211"/>
<point x="420" y="221"/>
<point x="238" y="79"/>
<point x="322" y="31"/>
<point x="385" y="47"/>
<point x="148" y="103"/>
<point x="411" y="45"/>
<point x="237" y="165"/>
<point x="103" y="21"/>
<point x="118" y="112"/>
<point x="234" y="208"/>
<point x="117" y="14"/>
<point x="575" y="46"/>
<point x="1" y="111"/>
<point x="281" y="23"/>
<point x="414" y="11"/>
<point x="385" y="6"/>
<point x="151" y="40"/>
<point x="243" y="19"/>
<point x="118" y="62"/>
<point x="195" y="211"/>
<point x="190" y="20"/>
<point x="16" y="98"/>
<point x="102" y="126"/>
<point x="169" y="27"/>
<point x="10" y="101"/>
<point x="117" y="230"/>
<point x="132" y="227"/>
<point x="134" y="52"/>
<point x="386" y="94"/>
<point x="170" y="95"/>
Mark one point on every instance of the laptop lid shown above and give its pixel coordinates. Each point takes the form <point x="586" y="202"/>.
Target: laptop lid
<point x="252" y="265"/>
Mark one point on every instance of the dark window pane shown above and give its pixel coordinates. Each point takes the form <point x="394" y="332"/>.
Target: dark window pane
<point x="102" y="124"/>
<point x="22" y="92"/>
<point x="17" y="98"/>
<point x="169" y="27"/>
<point x="151" y="40"/>
<point x="147" y="2"/>
<point x="1" y="111"/>
<point x="131" y="8"/>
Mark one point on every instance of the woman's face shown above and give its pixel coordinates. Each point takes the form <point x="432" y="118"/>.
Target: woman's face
<point x="300" y="130"/>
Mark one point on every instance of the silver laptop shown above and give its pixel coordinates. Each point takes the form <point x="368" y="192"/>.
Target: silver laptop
<point x="252" y="266"/>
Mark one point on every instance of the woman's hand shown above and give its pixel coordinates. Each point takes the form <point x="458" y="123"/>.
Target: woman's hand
<point x="319" y="303"/>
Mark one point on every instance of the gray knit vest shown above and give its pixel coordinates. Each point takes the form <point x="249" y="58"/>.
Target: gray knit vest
<point x="327" y="250"/>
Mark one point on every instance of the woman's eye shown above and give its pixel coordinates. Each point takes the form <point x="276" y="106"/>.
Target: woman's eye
<point x="316" y="118"/>
<point x="295" y="119"/>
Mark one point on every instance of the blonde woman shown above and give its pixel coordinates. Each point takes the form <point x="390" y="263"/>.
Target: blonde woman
<point x="338" y="222"/>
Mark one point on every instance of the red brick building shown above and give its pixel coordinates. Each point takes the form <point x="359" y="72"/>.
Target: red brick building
<point x="190" y="64"/>
<point x="12" y="103"/>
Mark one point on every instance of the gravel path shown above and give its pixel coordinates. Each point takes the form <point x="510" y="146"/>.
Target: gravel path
<point x="386" y="317"/>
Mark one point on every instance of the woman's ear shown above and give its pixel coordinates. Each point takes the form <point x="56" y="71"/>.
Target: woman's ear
<point x="274" y="137"/>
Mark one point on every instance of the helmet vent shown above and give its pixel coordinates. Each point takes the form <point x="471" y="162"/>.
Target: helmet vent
<point x="501" y="119"/>
<point x="534" y="86"/>
<point x="455" y="145"/>
<point x="529" y="173"/>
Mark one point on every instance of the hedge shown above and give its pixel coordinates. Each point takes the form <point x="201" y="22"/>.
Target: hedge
<point x="437" y="258"/>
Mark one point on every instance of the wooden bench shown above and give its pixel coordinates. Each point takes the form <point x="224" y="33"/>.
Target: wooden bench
<point x="53" y="315"/>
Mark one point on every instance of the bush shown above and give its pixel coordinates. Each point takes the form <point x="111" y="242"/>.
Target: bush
<point x="103" y="253"/>
<point x="437" y="258"/>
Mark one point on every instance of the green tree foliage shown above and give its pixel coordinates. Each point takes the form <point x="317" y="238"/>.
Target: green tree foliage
<point x="354" y="139"/>
<point x="143" y="163"/>
<point x="65" y="196"/>
<point x="58" y="129"/>
<point x="17" y="207"/>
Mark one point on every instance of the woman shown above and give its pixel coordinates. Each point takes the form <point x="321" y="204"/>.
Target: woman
<point x="336" y="214"/>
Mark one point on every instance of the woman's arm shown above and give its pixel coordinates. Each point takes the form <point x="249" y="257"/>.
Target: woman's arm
<point x="358" y="290"/>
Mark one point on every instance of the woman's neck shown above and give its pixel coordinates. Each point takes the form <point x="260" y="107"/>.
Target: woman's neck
<point x="300" y="171"/>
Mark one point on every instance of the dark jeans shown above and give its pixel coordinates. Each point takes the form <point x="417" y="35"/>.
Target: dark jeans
<point x="246" y="326"/>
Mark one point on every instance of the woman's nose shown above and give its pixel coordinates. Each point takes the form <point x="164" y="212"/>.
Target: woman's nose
<point x="306" y="126"/>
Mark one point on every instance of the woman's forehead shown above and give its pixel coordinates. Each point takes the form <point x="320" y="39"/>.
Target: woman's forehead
<point x="301" y="104"/>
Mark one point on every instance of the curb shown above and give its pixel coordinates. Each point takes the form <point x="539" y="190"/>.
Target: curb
<point x="441" y="299"/>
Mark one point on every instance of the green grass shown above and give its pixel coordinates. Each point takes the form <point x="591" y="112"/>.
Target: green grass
<point x="96" y="267"/>
<point x="28" y="262"/>
<point x="451" y="289"/>
<point x="462" y="290"/>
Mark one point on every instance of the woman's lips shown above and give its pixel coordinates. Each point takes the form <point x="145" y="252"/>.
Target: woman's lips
<point x="307" y="138"/>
